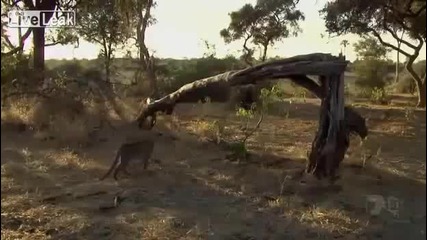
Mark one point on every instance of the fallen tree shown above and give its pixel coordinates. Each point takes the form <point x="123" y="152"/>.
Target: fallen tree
<point x="336" y="122"/>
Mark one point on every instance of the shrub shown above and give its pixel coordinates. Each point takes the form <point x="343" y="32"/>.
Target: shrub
<point x="15" y="67"/>
<point x="72" y="69"/>
<point x="212" y="130"/>
<point x="379" y="96"/>
<point x="371" y="73"/>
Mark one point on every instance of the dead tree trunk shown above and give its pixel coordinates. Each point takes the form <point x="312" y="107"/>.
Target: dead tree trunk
<point x="331" y="141"/>
<point x="336" y="122"/>
<point x="354" y="122"/>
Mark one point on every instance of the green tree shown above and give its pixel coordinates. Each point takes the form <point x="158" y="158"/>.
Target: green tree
<point x="138" y="17"/>
<point x="384" y="16"/>
<point x="143" y="19"/>
<point x="264" y="24"/>
<point x="372" y="65"/>
<point x="369" y="47"/>
<point x="101" y="24"/>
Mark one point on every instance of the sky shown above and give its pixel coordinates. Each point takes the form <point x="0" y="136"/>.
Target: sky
<point x="182" y="26"/>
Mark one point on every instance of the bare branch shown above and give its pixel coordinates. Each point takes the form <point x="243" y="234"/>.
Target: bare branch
<point x="12" y="52"/>
<point x="21" y="44"/>
<point x="248" y="51"/>
<point x="394" y="35"/>
<point x="248" y="135"/>
<point x="52" y="44"/>
<point x="378" y="36"/>
<point x="8" y="42"/>
<point x="399" y="39"/>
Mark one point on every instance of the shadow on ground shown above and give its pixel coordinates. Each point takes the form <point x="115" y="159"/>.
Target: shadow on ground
<point x="197" y="193"/>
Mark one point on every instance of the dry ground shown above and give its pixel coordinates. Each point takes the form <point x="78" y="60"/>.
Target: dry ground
<point x="52" y="192"/>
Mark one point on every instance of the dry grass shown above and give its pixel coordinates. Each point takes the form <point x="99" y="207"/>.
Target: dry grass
<point x="196" y="193"/>
<point x="68" y="121"/>
<point x="19" y="111"/>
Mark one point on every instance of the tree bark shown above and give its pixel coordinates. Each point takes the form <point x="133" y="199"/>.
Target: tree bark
<point x="355" y="123"/>
<point x="264" y="53"/>
<point x="399" y="43"/>
<point x="146" y="60"/>
<point x="108" y="58"/>
<point x="419" y="83"/>
<point x="248" y="52"/>
<point x="39" y="36"/>
<point x="38" y="55"/>
<point x="331" y="141"/>
<point x="396" y="80"/>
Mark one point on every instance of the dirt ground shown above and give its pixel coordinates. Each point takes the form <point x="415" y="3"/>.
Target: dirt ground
<point x="196" y="192"/>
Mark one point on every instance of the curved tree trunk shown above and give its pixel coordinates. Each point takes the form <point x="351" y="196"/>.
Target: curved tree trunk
<point x="147" y="64"/>
<point x="336" y="121"/>
<point x="248" y="52"/>
<point x="399" y="43"/>
<point x="419" y="83"/>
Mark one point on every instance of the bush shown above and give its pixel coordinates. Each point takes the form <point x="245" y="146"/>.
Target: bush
<point x="72" y="69"/>
<point x="64" y="110"/>
<point x="15" y="67"/>
<point x="376" y="95"/>
<point x="371" y="73"/>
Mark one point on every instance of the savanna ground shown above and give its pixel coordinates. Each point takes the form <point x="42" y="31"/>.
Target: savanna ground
<point x="51" y="192"/>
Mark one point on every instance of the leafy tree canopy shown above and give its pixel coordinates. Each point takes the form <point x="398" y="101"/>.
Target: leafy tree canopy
<point x="265" y="23"/>
<point x="100" y="21"/>
<point x="369" y="47"/>
<point x="377" y="17"/>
